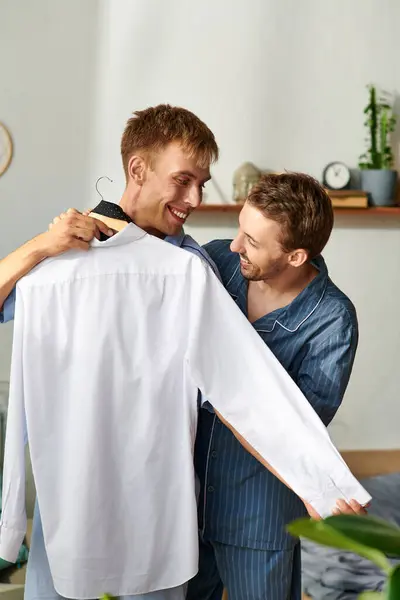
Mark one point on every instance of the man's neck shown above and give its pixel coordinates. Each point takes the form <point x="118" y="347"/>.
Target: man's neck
<point x="128" y="204"/>
<point x="266" y="296"/>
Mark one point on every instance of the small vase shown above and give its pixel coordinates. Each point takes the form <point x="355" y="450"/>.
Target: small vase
<point x="244" y="178"/>
<point x="380" y="184"/>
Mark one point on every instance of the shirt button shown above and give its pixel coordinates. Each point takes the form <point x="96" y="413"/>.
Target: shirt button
<point x="210" y="488"/>
<point x="213" y="454"/>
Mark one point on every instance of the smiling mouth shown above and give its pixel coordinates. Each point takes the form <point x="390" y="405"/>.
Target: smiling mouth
<point x="178" y="215"/>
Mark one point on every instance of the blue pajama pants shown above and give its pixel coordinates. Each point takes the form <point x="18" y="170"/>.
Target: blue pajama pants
<point x="246" y="573"/>
<point x="39" y="582"/>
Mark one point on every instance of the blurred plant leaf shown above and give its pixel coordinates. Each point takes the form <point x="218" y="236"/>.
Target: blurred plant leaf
<point x="394" y="584"/>
<point x="369" y="531"/>
<point x="324" y="533"/>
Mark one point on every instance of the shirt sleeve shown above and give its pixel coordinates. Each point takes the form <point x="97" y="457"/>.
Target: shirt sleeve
<point x="326" y="368"/>
<point x="13" y="514"/>
<point x="7" y="314"/>
<point x="246" y="384"/>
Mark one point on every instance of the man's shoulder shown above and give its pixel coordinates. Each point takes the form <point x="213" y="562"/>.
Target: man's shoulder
<point x="147" y="255"/>
<point x="333" y="321"/>
<point x="327" y="303"/>
<point x="226" y="260"/>
<point x="322" y="314"/>
<point x="339" y="305"/>
<point x="218" y="248"/>
<point x="186" y="242"/>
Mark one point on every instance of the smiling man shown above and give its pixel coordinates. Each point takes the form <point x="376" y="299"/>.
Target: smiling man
<point x="275" y="273"/>
<point x="166" y="153"/>
<point x="165" y="178"/>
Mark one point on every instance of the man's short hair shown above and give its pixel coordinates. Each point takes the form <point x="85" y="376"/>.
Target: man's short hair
<point x="151" y="130"/>
<point x="300" y="205"/>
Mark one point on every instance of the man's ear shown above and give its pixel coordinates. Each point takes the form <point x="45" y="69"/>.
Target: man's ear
<point x="137" y="169"/>
<point x="298" y="257"/>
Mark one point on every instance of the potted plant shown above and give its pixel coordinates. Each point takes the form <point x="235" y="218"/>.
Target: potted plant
<point x="377" y="174"/>
<point x="368" y="537"/>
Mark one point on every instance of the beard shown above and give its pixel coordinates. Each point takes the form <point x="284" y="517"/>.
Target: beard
<point x="253" y="272"/>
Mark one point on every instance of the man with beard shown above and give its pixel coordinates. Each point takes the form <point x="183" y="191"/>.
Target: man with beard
<point x="274" y="271"/>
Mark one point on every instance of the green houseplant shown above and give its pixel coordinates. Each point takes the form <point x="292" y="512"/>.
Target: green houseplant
<point x="377" y="174"/>
<point x="367" y="536"/>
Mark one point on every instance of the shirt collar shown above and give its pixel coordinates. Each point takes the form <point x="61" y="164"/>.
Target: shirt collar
<point x="176" y="240"/>
<point x="112" y="210"/>
<point x="130" y="233"/>
<point x="290" y="317"/>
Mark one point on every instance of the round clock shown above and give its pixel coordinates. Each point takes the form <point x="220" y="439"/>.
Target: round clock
<point x="6" y="149"/>
<point x="336" y="176"/>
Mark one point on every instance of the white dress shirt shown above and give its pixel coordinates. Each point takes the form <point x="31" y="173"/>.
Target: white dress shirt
<point x="110" y="349"/>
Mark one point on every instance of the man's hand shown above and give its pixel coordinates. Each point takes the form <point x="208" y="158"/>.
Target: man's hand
<point x="69" y="230"/>
<point x="72" y="230"/>
<point x="342" y="508"/>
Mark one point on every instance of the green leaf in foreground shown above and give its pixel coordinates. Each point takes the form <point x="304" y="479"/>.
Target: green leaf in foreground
<point x="394" y="584"/>
<point x="369" y="531"/>
<point x="324" y="533"/>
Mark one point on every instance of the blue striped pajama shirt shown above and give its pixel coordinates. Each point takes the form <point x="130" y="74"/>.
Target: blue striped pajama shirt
<point x="243" y="508"/>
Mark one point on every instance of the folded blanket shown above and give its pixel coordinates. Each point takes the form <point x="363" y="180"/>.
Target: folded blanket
<point x="330" y="574"/>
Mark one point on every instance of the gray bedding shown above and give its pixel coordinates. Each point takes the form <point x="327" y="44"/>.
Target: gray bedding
<point x="330" y="574"/>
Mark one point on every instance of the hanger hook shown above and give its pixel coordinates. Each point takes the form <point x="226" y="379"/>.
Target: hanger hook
<point x="97" y="182"/>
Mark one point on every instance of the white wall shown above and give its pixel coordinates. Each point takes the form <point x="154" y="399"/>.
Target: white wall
<point x="280" y="83"/>
<point x="362" y="258"/>
<point x="47" y="50"/>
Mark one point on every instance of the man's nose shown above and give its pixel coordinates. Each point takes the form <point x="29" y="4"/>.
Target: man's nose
<point x="194" y="197"/>
<point x="237" y="244"/>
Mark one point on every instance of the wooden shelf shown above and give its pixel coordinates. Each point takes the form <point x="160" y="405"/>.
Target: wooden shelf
<point x="356" y="197"/>
<point x="372" y="210"/>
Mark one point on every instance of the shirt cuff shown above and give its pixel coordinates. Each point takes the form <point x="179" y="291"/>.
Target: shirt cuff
<point x="10" y="543"/>
<point x="346" y="488"/>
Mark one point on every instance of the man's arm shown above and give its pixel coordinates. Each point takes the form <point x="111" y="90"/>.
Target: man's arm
<point x="350" y="507"/>
<point x="260" y="403"/>
<point x="19" y="263"/>
<point x="326" y="367"/>
<point x="72" y="231"/>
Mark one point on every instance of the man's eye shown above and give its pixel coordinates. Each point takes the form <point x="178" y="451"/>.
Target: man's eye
<point x="182" y="181"/>
<point x="251" y="242"/>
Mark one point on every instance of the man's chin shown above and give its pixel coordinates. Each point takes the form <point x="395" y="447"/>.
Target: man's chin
<point x="246" y="271"/>
<point x="249" y="273"/>
<point x="166" y="230"/>
<point x="174" y="230"/>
